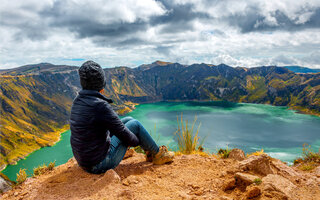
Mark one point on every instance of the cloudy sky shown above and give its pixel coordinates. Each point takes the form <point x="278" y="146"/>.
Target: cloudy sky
<point x="132" y="32"/>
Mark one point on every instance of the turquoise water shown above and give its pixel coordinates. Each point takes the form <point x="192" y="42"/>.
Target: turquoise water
<point x="251" y="127"/>
<point x="61" y="152"/>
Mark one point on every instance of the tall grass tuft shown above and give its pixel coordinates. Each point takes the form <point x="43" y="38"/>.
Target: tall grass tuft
<point x="21" y="176"/>
<point x="188" y="140"/>
<point x="309" y="160"/>
<point x="51" y="165"/>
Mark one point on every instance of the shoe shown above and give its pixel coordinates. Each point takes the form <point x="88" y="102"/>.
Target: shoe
<point x="163" y="156"/>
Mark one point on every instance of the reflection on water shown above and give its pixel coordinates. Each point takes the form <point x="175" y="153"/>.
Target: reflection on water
<point x="251" y="127"/>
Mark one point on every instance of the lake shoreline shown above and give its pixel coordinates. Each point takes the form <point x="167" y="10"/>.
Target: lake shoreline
<point x="66" y="127"/>
<point x="59" y="132"/>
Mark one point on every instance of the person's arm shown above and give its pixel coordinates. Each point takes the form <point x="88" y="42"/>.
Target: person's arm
<point x="110" y="119"/>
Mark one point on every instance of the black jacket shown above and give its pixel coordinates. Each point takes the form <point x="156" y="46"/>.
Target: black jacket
<point x="91" y="122"/>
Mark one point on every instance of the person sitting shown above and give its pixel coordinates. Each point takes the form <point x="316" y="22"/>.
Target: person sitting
<point x="99" y="138"/>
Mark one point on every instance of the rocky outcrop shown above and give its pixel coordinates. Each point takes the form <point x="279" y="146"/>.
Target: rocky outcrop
<point x="274" y="182"/>
<point x="237" y="154"/>
<point x="284" y="170"/>
<point x="188" y="177"/>
<point x="246" y="178"/>
<point x="259" y="164"/>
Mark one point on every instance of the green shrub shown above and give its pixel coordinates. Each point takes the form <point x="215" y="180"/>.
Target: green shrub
<point x="39" y="170"/>
<point x="309" y="160"/>
<point x="188" y="141"/>
<point x="309" y="155"/>
<point x="21" y="176"/>
<point x="224" y="153"/>
<point x="257" y="181"/>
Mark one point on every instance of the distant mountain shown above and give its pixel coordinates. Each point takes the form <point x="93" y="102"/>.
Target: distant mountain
<point x="298" y="69"/>
<point x="37" y="69"/>
<point x="36" y="99"/>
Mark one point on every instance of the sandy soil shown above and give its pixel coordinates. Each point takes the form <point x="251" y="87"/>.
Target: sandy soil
<point x="188" y="177"/>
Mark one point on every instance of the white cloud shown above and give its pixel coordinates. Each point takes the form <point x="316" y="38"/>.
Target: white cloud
<point x="115" y="33"/>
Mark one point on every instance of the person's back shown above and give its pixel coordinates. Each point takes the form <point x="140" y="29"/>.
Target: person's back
<point x="90" y="141"/>
<point x="99" y="139"/>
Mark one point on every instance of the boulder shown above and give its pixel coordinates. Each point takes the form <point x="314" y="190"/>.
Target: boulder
<point x="259" y="164"/>
<point x="229" y="184"/>
<point x="274" y="182"/>
<point x="237" y="154"/>
<point x="246" y="178"/>
<point x="110" y="176"/>
<point x="253" y="192"/>
<point x="284" y="170"/>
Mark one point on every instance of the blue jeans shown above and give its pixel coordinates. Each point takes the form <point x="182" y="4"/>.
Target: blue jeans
<point x="118" y="148"/>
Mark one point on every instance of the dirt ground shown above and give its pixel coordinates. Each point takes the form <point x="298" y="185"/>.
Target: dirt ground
<point x="188" y="177"/>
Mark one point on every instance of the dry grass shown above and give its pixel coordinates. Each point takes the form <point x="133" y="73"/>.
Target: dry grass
<point x="308" y="166"/>
<point x="37" y="171"/>
<point x="188" y="140"/>
<point x="257" y="153"/>
<point x="309" y="160"/>
<point x="41" y="169"/>
<point x="21" y="176"/>
<point x="51" y="165"/>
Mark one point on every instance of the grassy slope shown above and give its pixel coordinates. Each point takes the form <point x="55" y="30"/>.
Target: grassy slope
<point x="29" y="119"/>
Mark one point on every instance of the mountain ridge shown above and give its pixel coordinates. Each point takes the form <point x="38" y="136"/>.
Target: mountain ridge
<point x="35" y="102"/>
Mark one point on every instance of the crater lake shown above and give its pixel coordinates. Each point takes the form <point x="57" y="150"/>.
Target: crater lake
<point x="280" y="132"/>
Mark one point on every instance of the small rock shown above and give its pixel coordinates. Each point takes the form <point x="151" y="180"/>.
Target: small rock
<point x="223" y="174"/>
<point x="259" y="164"/>
<point x="112" y="176"/>
<point x="246" y="178"/>
<point x="229" y="184"/>
<point x="317" y="171"/>
<point x="237" y="154"/>
<point x="278" y="183"/>
<point x="130" y="180"/>
<point x="253" y="192"/>
<point x="125" y="182"/>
